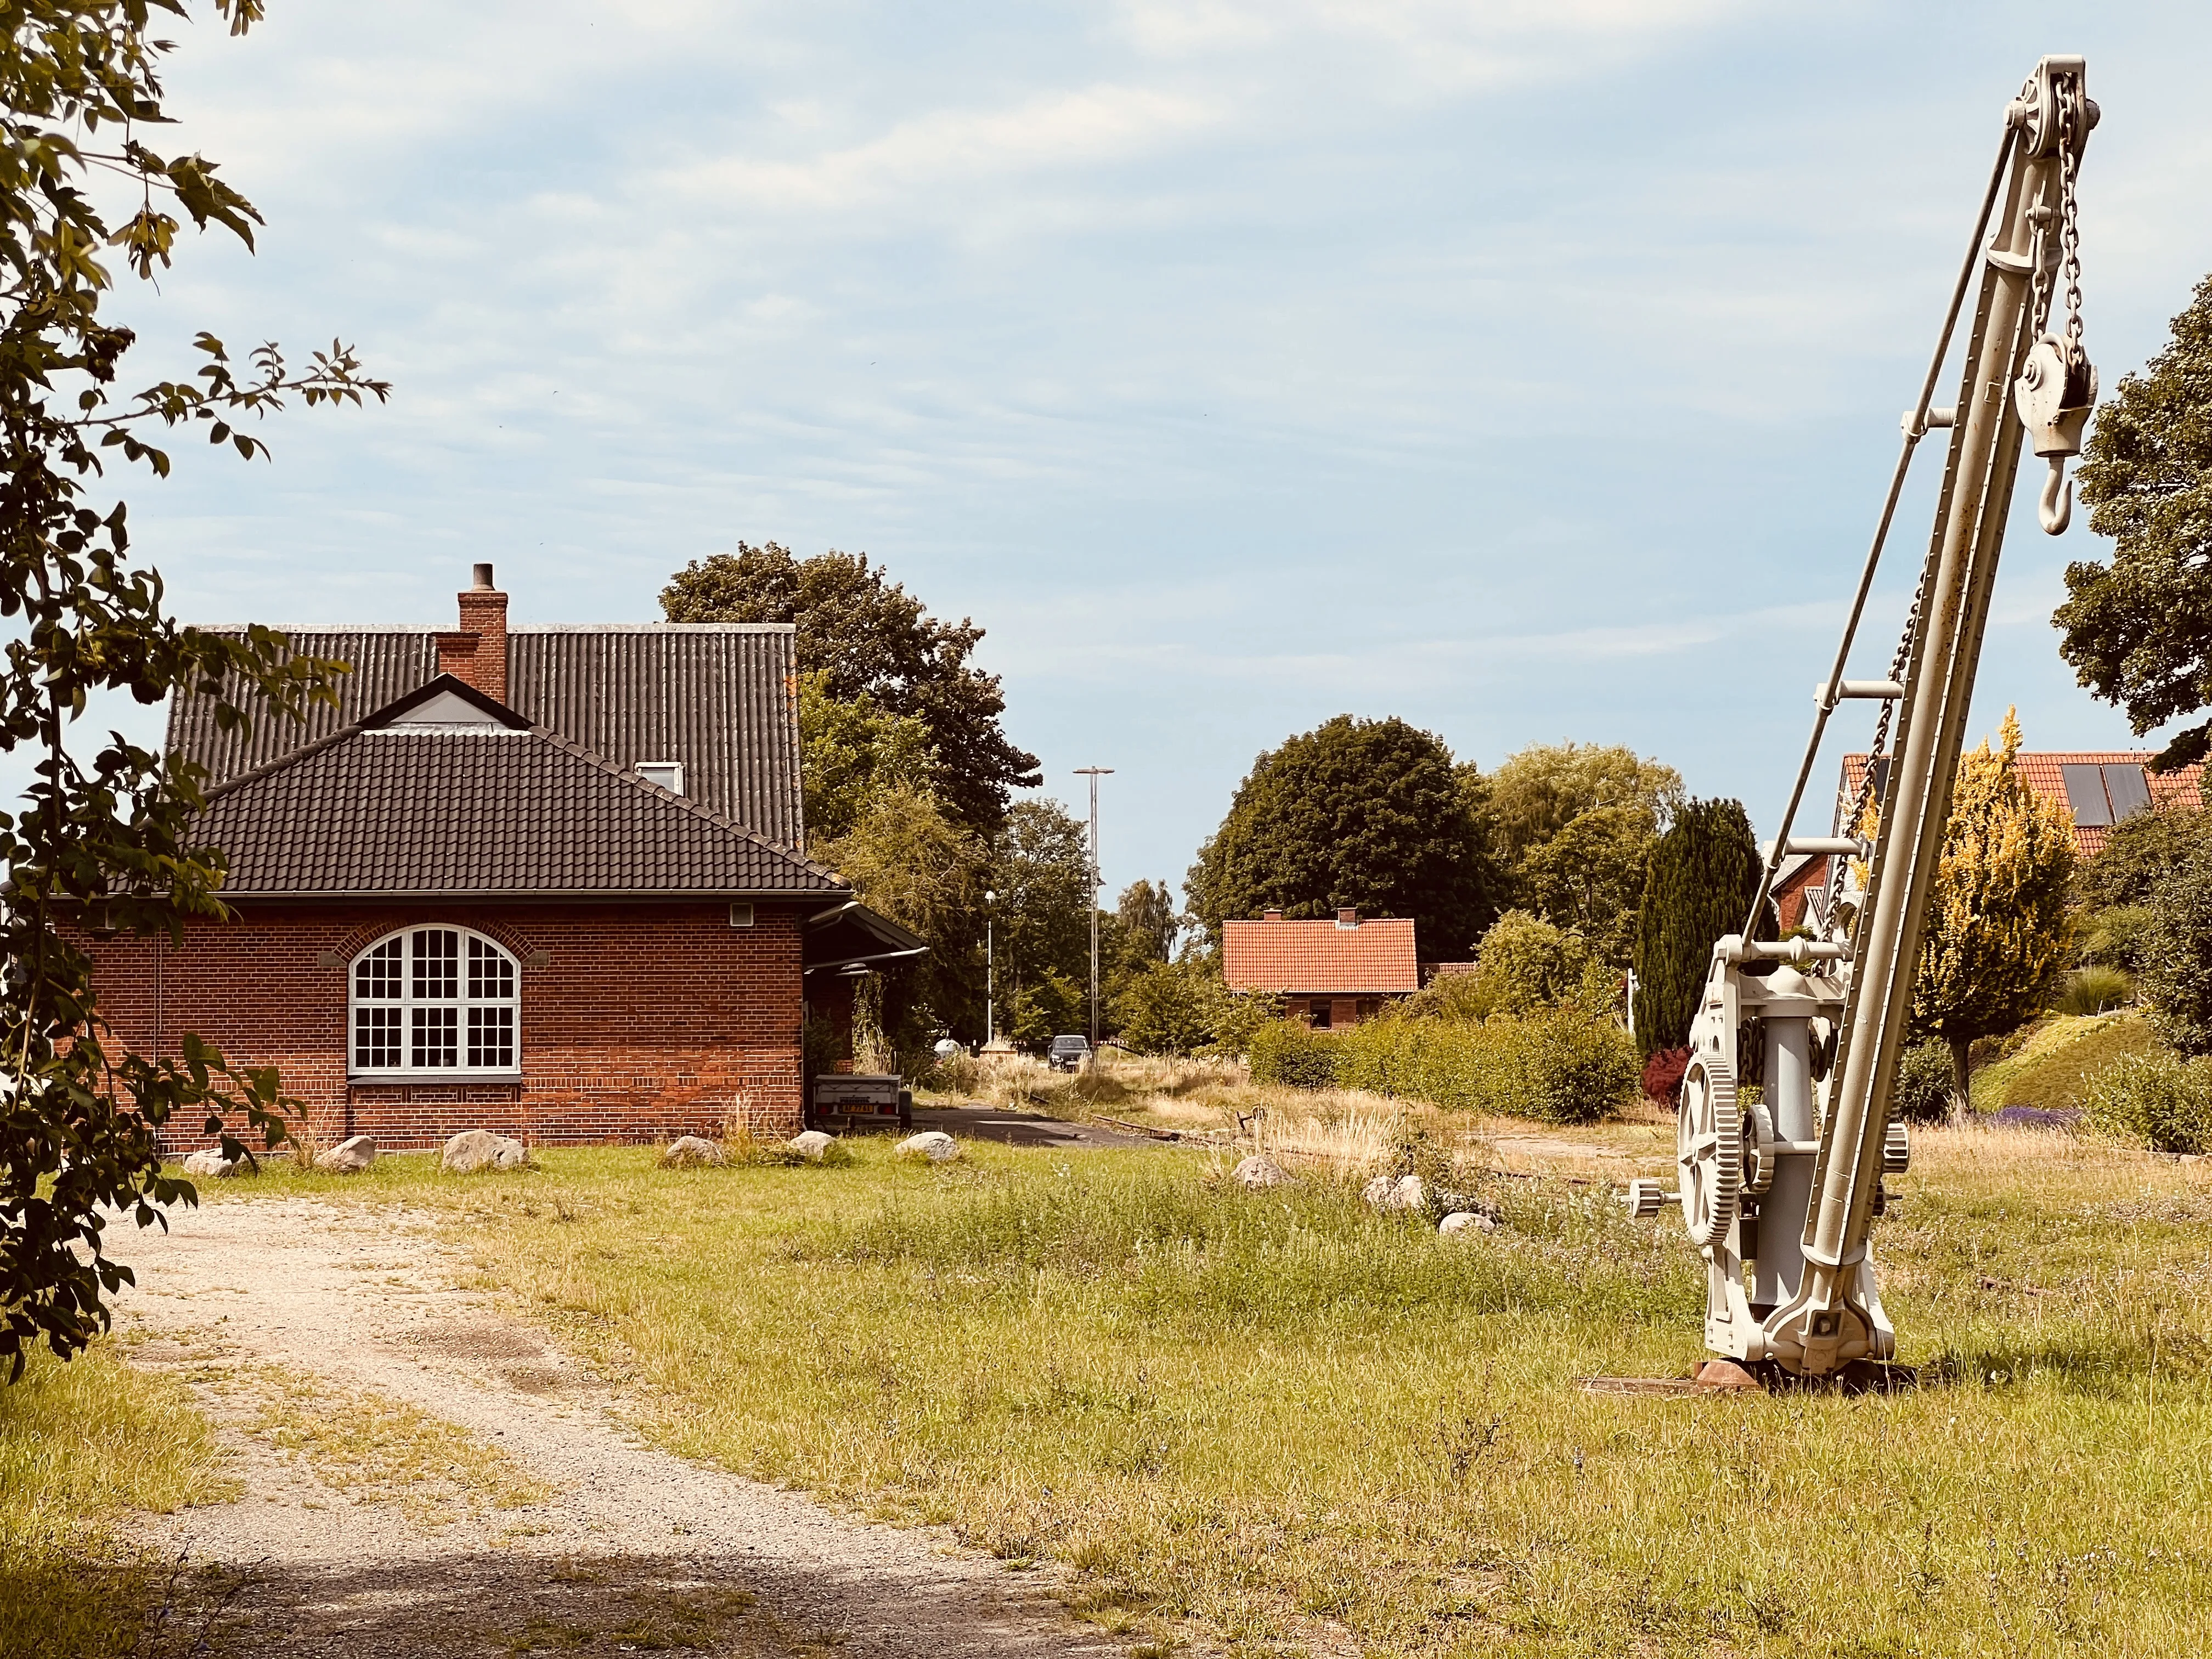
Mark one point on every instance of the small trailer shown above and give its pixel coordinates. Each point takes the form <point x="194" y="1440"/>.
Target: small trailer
<point x="850" y="1102"/>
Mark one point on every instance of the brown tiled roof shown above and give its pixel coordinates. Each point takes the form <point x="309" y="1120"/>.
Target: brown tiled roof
<point x="501" y="809"/>
<point x="715" y="696"/>
<point x="1374" y="958"/>
<point x="2042" y="771"/>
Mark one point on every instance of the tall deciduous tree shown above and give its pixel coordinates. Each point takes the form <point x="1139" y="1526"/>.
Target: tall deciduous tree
<point x="2138" y="631"/>
<point x="1703" y="876"/>
<point x="1041" y="869"/>
<point x="1371" y="813"/>
<point x="2177" y="956"/>
<point x="1998" y="929"/>
<point x="1573" y="826"/>
<point x="870" y="638"/>
<point x="105" y="842"/>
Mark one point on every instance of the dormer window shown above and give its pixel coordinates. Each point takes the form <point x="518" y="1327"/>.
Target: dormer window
<point x="669" y="775"/>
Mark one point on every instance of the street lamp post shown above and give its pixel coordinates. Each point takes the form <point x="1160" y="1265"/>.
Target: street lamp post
<point x="990" y="973"/>
<point x="1094" y="773"/>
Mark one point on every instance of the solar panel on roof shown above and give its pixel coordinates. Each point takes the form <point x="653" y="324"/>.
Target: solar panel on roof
<point x="2085" y="794"/>
<point x="2128" y="789"/>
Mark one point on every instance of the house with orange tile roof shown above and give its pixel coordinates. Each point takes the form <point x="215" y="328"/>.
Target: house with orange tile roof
<point x="2098" y="786"/>
<point x="1331" y="973"/>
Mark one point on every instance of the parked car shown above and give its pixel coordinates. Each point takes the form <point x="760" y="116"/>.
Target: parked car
<point x="1068" y="1054"/>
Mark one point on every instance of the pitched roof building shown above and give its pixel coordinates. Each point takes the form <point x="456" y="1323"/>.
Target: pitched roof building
<point x="1330" y="973"/>
<point x="546" y="881"/>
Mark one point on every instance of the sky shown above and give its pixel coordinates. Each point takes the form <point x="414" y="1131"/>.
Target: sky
<point x="1529" y="371"/>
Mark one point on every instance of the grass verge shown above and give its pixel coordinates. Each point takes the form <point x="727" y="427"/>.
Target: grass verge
<point x="2053" y="1067"/>
<point x="1280" y="1421"/>
<point x="81" y="1446"/>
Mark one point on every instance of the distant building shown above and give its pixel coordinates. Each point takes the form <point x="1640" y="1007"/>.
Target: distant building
<point x="1331" y="973"/>
<point x="2100" y="787"/>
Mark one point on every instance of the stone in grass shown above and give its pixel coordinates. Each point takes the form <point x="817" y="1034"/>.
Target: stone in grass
<point x="480" y="1149"/>
<point x="1397" y="1195"/>
<point x="1256" y="1172"/>
<point x="690" y="1152"/>
<point x="934" y="1145"/>
<point x="210" y="1161"/>
<point x="349" y="1157"/>
<point x="1726" y="1374"/>
<point x="1464" y="1221"/>
<point x="812" y="1144"/>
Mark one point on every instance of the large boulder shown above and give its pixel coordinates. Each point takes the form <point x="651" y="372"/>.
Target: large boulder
<point x="480" y="1149"/>
<point x="1409" y="1193"/>
<point x="690" y="1152"/>
<point x="934" y="1145"/>
<point x="1464" y="1221"/>
<point x="812" y="1144"/>
<point x="349" y="1157"/>
<point x="210" y="1161"/>
<point x="1256" y="1172"/>
<point x="1376" y="1193"/>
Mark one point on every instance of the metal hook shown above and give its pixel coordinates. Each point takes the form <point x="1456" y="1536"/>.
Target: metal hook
<point x="2056" y="507"/>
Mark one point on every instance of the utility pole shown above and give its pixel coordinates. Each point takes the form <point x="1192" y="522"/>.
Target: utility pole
<point x="1094" y="773"/>
<point x="990" y="972"/>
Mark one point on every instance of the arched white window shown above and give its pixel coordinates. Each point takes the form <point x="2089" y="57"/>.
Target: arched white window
<point x="434" y="999"/>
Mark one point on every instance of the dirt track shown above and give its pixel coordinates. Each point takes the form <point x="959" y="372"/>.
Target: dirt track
<point x="632" y="1549"/>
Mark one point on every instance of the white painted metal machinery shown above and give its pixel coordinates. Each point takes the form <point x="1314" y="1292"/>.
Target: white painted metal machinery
<point x="1779" y="1186"/>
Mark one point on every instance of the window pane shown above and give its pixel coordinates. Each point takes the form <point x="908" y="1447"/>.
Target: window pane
<point x="437" y="963"/>
<point x="436" y="1036"/>
<point x="491" y="1036"/>
<point x="2130" y="792"/>
<point x="491" y="975"/>
<point x="2085" y="794"/>
<point x="375" y="1037"/>
<point x="376" y="975"/>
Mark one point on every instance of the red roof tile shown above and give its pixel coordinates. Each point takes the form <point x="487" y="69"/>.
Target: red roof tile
<point x="2040" y="769"/>
<point x="1374" y="958"/>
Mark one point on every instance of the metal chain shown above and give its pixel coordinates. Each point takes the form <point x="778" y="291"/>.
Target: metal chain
<point x="2069" y="224"/>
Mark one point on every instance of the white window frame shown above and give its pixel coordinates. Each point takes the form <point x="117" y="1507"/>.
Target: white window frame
<point x="478" y="1007"/>
<point x="674" y="786"/>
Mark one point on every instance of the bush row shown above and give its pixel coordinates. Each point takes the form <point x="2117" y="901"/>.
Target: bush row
<point x="2160" y="1099"/>
<point x="1562" y="1065"/>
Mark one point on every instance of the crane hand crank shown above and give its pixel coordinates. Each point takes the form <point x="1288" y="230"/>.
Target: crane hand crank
<point x="1779" y="1193"/>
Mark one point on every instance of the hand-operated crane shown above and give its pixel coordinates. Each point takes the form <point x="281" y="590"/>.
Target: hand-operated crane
<point x="1779" y="1192"/>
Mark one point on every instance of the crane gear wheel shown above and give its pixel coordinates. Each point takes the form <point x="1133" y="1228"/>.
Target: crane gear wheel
<point x="1757" y="1135"/>
<point x="1643" y="1199"/>
<point x="1896" y="1150"/>
<point x="1708" y="1148"/>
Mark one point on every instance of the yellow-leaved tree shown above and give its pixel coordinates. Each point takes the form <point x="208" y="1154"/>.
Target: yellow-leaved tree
<point x="1999" y="934"/>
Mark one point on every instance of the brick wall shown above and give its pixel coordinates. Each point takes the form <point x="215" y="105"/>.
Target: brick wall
<point x="639" y="1022"/>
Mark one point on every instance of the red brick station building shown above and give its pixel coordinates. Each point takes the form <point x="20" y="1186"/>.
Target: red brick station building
<point x="547" y="881"/>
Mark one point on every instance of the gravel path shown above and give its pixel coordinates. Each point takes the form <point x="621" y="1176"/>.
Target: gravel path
<point x="635" y="1549"/>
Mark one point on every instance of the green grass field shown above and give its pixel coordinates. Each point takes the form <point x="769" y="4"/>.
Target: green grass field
<point x="1279" y="1421"/>
<point x="82" y="1446"/>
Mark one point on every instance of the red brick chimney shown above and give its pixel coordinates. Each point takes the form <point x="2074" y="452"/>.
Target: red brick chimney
<point x="1271" y="915"/>
<point x="1348" y="917"/>
<point x="477" y="652"/>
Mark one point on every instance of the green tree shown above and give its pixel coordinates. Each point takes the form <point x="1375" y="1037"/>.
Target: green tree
<point x="1040" y="870"/>
<point x="1542" y="789"/>
<point x="850" y="749"/>
<point x="1525" y="961"/>
<point x="2176" y="959"/>
<point x="106" y="842"/>
<point x="1704" y="875"/>
<point x="1168" y="1008"/>
<point x="1590" y="877"/>
<point x="2138" y="631"/>
<point x="2139" y="853"/>
<point x="1371" y="813"/>
<point x="1998" y="931"/>
<point x="868" y="637"/>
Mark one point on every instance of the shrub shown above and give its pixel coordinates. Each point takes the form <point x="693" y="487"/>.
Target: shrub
<point x="1558" y="1065"/>
<point x="1284" y="1052"/>
<point x="1662" y="1074"/>
<point x="1524" y="962"/>
<point x="1924" y="1084"/>
<point x="2177" y="956"/>
<point x="1168" y="1008"/>
<point x="2093" y="990"/>
<point x="2114" y="937"/>
<point x="2162" y="1099"/>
